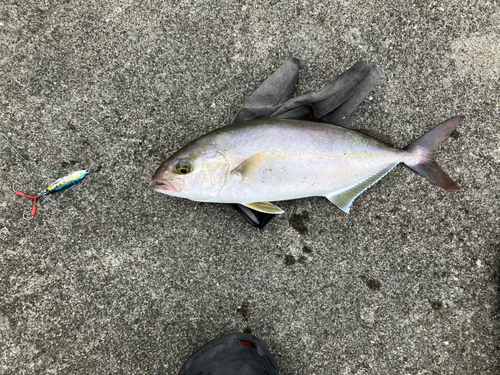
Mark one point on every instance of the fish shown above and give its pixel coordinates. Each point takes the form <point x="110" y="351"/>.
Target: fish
<point x="254" y="163"/>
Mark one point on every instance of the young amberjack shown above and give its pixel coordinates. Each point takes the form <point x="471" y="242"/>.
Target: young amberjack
<point x="273" y="159"/>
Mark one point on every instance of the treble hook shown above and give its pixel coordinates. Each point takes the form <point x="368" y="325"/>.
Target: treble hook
<point x="16" y="191"/>
<point x="34" y="197"/>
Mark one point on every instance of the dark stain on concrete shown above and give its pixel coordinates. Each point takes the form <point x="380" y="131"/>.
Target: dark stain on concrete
<point x="289" y="260"/>
<point x="373" y="284"/>
<point x="298" y="222"/>
<point x="437" y="305"/>
<point x="307" y="249"/>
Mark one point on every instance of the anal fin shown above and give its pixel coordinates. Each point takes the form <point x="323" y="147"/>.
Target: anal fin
<point x="266" y="207"/>
<point x="344" y="199"/>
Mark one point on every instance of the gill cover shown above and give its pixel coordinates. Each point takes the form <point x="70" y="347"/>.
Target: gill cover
<point x="215" y="170"/>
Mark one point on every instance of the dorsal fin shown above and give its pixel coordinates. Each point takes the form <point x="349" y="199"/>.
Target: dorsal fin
<point x="299" y="113"/>
<point x="374" y="134"/>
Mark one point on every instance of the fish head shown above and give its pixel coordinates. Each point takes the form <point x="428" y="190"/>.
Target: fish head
<point x="196" y="172"/>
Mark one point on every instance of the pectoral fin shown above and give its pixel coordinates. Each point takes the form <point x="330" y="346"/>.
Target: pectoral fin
<point x="344" y="199"/>
<point x="248" y="168"/>
<point x="266" y="207"/>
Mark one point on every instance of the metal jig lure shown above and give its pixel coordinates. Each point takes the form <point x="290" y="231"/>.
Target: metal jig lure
<point x="59" y="185"/>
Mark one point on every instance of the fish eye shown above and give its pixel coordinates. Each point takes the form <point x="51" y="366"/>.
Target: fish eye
<point x="183" y="167"/>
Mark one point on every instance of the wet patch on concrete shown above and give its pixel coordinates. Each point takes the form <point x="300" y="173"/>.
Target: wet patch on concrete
<point x="307" y="249"/>
<point x="298" y="222"/>
<point x="372" y="284"/>
<point x="437" y="305"/>
<point x="289" y="260"/>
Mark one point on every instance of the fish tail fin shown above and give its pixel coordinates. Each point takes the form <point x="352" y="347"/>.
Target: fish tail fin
<point x="425" y="148"/>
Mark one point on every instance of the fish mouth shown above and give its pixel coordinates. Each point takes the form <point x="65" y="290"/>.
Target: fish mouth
<point x="168" y="185"/>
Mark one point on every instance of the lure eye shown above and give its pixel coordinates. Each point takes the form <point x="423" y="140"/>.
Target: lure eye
<point x="183" y="168"/>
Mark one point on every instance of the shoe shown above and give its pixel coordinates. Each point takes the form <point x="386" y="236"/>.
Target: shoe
<point x="237" y="353"/>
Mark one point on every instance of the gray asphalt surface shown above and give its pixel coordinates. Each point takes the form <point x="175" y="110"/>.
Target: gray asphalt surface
<point x="114" y="278"/>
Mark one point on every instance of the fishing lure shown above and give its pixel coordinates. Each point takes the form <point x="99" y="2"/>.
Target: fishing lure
<point x="59" y="185"/>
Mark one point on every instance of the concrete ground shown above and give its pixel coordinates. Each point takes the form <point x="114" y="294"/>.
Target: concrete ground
<point x="114" y="278"/>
